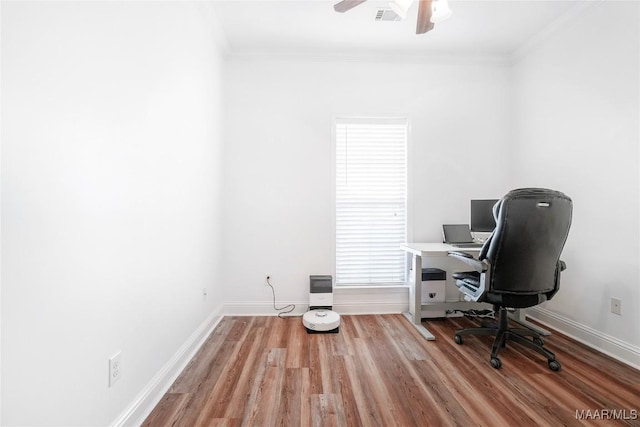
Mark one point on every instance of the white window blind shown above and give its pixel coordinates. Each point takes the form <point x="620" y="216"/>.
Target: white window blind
<point x="371" y="201"/>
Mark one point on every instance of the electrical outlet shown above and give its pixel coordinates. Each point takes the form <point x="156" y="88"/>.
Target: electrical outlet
<point x="115" y="368"/>
<point x="616" y="306"/>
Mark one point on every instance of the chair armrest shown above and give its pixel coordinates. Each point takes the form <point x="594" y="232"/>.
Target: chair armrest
<point x="468" y="259"/>
<point x="460" y="254"/>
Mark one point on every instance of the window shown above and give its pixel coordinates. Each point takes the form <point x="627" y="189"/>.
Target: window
<point x="371" y="201"/>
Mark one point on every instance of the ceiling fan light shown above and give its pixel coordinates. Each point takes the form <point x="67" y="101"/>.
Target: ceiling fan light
<point x="400" y="7"/>
<point x="441" y="11"/>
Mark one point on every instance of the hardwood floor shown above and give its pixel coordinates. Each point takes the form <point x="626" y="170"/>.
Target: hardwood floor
<point x="378" y="371"/>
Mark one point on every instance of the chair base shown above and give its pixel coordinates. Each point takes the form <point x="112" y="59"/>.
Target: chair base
<point x="503" y="333"/>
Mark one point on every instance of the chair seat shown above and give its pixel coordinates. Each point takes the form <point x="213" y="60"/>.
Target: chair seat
<point x="471" y="281"/>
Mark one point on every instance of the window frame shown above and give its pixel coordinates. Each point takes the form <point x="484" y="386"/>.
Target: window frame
<point x="408" y="188"/>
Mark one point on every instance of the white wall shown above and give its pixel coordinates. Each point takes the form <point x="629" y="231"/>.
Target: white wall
<point x="111" y="135"/>
<point x="112" y="167"/>
<point x="577" y="105"/>
<point x="278" y="157"/>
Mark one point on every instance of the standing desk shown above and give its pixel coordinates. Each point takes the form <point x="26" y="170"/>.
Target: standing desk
<point x="414" y="280"/>
<point x="414" y="277"/>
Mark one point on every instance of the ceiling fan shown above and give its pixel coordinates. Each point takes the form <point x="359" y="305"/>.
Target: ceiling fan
<point x="430" y="12"/>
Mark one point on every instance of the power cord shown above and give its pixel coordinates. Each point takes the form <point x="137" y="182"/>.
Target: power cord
<point x="289" y="307"/>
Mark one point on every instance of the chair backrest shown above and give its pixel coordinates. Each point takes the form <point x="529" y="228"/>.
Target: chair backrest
<point x="532" y="225"/>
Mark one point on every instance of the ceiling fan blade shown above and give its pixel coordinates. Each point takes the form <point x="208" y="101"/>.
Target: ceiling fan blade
<point x="345" y="5"/>
<point x="424" y="17"/>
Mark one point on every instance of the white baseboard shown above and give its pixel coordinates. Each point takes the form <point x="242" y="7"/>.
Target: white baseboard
<point x="262" y="309"/>
<point x="611" y="346"/>
<point x="266" y="309"/>
<point x="371" y="300"/>
<point x="346" y="300"/>
<point x="143" y="404"/>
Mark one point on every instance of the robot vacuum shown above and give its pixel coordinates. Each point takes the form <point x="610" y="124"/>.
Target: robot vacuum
<point x="320" y="318"/>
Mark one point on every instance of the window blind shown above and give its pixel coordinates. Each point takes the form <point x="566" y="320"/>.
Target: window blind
<point x="371" y="201"/>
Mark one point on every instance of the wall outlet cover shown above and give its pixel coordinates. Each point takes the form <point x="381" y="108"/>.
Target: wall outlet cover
<point x="115" y="368"/>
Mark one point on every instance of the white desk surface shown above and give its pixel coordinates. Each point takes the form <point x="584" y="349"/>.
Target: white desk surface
<point x="434" y="249"/>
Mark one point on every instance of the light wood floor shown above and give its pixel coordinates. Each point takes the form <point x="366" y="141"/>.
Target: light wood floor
<point x="378" y="371"/>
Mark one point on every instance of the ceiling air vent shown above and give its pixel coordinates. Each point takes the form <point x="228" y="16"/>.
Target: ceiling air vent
<point x="386" y="15"/>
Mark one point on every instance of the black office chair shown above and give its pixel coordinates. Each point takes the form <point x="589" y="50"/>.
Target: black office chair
<point x="519" y="265"/>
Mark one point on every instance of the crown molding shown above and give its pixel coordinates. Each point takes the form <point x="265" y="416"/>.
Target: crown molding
<point x="551" y="29"/>
<point x="393" y="58"/>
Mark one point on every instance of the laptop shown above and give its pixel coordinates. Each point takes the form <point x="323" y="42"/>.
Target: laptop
<point x="459" y="235"/>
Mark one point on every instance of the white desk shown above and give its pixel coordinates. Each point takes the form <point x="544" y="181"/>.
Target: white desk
<point x="414" y="280"/>
<point x="419" y="250"/>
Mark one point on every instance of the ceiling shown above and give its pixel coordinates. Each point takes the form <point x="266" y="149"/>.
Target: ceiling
<point x="477" y="27"/>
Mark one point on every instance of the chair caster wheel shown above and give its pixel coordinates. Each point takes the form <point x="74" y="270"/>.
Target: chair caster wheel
<point x="554" y="365"/>
<point x="458" y="339"/>
<point x="496" y="363"/>
<point x="538" y="341"/>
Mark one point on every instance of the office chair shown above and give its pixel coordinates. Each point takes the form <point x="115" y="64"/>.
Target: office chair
<point x="519" y="265"/>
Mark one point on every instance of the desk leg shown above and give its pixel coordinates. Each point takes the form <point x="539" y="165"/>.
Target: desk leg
<point x="415" y="298"/>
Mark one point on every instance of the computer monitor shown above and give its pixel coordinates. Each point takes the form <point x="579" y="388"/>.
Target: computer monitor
<point x="482" y="220"/>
